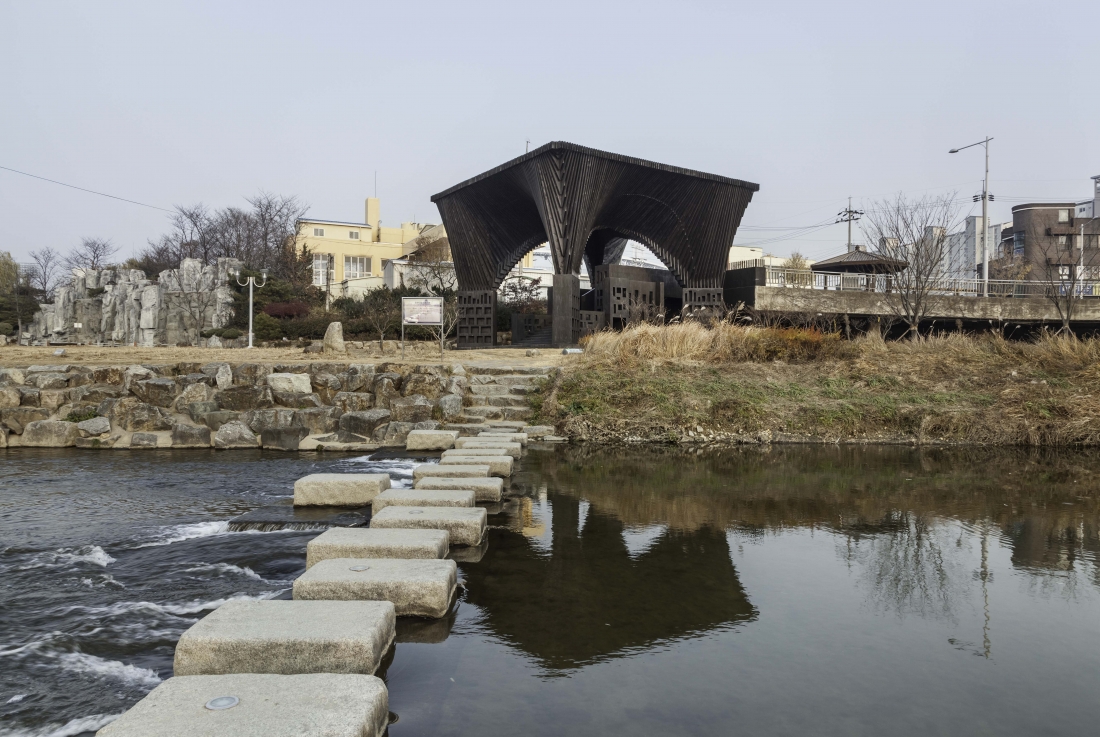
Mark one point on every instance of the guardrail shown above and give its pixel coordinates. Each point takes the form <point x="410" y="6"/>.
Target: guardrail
<point x="947" y="287"/>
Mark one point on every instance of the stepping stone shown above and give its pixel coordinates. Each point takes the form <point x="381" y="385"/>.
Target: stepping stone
<point x="431" y="439"/>
<point x="537" y="431"/>
<point x="505" y="447"/>
<point x="417" y="588"/>
<point x="250" y="704"/>
<point x="498" y="465"/>
<point x="436" y="469"/>
<point x="287" y="637"/>
<point x="485" y="490"/>
<point x="339" y="489"/>
<point x="469" y="554"/>
<point x="472" y="452"/>
<point x="368" y="543"/>
<point x="511" y="437"/>
<point x="422" y="498"/>
<point x="466" y="524"/>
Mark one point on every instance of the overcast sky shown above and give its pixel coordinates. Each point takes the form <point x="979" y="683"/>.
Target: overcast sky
<point x="177" y="103"/>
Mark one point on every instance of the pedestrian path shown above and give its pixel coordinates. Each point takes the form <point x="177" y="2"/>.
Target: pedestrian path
<point x="306" y="666"/>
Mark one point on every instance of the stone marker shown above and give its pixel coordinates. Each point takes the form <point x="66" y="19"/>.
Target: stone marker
<point x="485" y="490"/>
<point x="259" y="705"/>
<point x="334" y="339"/>
<point x="417" y="588"/>
<point x="431" y="439"/>
<point x="505" y="447"/>
<point x="511" y="437"/>
<point x="287" y="637"/>
<point x="422" y="498"/>
<point x="498" y="465"/>
<point x="466" y="525"/>
<point x="339" y="489"/>
<point x="340" y="542"/>
<point x="436" y="469"/>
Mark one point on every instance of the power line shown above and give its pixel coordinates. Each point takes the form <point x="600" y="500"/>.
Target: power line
<point x="82" y="189"/>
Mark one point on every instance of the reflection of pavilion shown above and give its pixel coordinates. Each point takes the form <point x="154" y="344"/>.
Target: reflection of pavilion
<point x="588" y="599"/>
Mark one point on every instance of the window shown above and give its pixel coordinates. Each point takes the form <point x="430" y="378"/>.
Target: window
<point x="320" y="269"/>
<point x="356" y="266"/>
<point x="1018" y="243"/>
<point x="353" y="235"/>
<point x="1062" y="240"/>
<point x="319" y="232"/>
<point x="1063" y="216"/>
<point x="1063" y="273"/>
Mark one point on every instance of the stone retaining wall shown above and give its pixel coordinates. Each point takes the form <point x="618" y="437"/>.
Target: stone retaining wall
<point x="297" y="406"/>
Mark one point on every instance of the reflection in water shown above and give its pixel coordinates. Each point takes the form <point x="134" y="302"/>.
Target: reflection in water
<point x="566" y="588"/>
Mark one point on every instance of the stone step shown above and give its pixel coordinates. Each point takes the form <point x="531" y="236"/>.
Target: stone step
<point x="466" y="430"/>
<point x="259" y="704"/>
<point x="507" y="370"/>
<point x="508" y="380"/>
<point x="508" y="401"/>
<point x="483" y="412"/>
<point x="466" y="525"/>
<point x="426" y="498"/>
<point x="339" y="489"/>
<point x="370" y="543"/>
<point x="288" y="637"/>
<point x="489" y="390"/>
<point x="516" y="413"/>
<point x="485" y="490"/>
<point x="417" y="587"/>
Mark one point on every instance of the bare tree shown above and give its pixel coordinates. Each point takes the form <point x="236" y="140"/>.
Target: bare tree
<point x="1066" y="274"/>
<point x="92" y="253"/>
<point x="912" y="241"/>
<point x="47" y="262"/>
<point x="382" y="311"/>
<point x="430" y="268"/>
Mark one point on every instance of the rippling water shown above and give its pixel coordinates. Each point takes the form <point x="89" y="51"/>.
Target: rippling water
<point x="791" y="591"/>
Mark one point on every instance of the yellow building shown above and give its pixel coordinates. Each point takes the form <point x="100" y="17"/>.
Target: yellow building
<point x="350" y="257"/>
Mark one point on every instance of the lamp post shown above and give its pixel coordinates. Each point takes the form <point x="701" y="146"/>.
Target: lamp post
<point x="985" y="212"/>
<point x="250" y="281"/>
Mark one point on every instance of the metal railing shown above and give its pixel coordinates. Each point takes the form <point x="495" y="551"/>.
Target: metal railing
<point x="776" y="276"/>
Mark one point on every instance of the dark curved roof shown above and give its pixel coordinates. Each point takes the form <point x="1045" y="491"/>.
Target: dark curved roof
<point x="579" y="200"/>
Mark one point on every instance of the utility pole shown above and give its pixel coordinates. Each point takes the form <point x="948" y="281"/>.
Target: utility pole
<point x="986" y="197"/>
<point x="848" y="216"/>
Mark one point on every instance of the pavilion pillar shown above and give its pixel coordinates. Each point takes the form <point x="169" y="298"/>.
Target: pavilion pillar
<point x="565" y="310"/>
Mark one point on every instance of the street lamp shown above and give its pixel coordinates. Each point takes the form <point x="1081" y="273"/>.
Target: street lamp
<point x="985" y="211"/>
<point x="250" y="281"/>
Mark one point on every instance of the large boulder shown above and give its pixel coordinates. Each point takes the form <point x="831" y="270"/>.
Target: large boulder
<point x="198" y="411"/>
<point x="458" y="384"/>
<point x="296" y="400"/>
<point x="50" y="434"/>
<point x="292" y="383"/>
<point x="94" y="426"/>
<point x="353" y="401"/>
<point x="326" y="385"/>
<point x="251" y="374"/>
<point x="214" y="420"/>
<point x="387" y="387"/>
<point x="263" y="419"/>
<point x="194" y="394"/>
<point x="364" y="423"/>
<point x="318" y="420"/>
<point x="450" y="406"/>
<point x="135" y="416"/>
<point x="9" y="397"/>
<point x="158" y="392"/>
<point x="136" y="373"/>
<point x="415" y="408"/>
<point x="393" y="433"/>
<point x="51" y="399"/>
<point x="16" y="418"/>
<point x="235" y="435"/>
<point x="334" y="339"/>
<point x="187" y="380"/>
<point x="29" y="396"/>
<point x="12" y="376"/>
<point x="430" y="386"/>
<point x="50" y="381"/>
<point x="220" y="372"/>
<point x="96" y="393"/>
<point x="243" y="398"/>
<point x="144" y="440"/>
<point x="190" y="436"/>
<point x="282" y="438"/>
<point x="107" y="375"/>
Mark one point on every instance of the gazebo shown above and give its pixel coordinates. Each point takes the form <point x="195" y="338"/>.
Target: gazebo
<point x="859" y="261"/>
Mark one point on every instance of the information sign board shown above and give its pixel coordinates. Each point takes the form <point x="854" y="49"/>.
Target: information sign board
<point x="421" y="310"/>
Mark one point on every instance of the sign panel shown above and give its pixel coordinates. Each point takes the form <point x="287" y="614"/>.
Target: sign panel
<point x="421" y="310"/>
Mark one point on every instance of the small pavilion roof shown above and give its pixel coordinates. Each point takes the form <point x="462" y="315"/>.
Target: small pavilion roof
<point x="859" y="260"/>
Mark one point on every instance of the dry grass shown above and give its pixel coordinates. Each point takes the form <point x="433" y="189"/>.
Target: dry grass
<point x="675" y="382"/>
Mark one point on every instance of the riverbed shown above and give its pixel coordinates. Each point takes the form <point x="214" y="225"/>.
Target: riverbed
<point x="767" y="590"/>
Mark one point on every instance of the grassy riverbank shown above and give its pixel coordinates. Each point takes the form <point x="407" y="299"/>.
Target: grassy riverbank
<point x="687" y="382"/>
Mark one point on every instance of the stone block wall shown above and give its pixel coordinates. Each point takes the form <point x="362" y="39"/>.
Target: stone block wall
<point x="284" y="406"/>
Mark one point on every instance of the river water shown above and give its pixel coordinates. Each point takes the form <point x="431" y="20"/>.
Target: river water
<point x="781" y="591"/>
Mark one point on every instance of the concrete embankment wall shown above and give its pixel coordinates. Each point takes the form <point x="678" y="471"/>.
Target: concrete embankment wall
<point x="293" y="406"/>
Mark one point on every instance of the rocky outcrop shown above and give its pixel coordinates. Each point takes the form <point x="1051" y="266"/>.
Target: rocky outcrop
<point x="124" y="306"/>
<point x="199" y="405"/>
